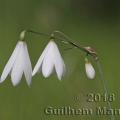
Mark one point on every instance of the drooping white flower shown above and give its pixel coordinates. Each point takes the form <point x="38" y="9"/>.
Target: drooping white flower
<point x="90" y="71"/>
<point x="50" y="61"/>
<point x="18" y="64"/>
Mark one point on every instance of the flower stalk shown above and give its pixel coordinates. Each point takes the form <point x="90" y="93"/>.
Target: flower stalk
<point x="65" y="39"/>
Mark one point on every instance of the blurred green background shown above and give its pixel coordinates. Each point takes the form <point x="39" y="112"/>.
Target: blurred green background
<point x="93" y="23"/>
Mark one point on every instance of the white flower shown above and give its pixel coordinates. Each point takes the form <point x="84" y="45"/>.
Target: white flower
<point x="18" y="64"/>
<point x="90" y="72"/>
<point x="50" y="61"/>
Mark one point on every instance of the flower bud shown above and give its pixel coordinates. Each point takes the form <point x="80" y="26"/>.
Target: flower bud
<point x="90" y="71"/>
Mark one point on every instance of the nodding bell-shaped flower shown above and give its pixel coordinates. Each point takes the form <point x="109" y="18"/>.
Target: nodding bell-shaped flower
<point x="18" y="64"/>
<point x="90" y="71"/>
<point x="49" y="61"/>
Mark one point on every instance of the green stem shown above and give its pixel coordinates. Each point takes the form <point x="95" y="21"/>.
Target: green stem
<point x="105" y="86"/>
<point x="65" y="39"/>
<point x="87" y="50"/>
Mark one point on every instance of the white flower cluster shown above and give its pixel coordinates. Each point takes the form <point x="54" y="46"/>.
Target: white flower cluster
<point x="49" y="61"/>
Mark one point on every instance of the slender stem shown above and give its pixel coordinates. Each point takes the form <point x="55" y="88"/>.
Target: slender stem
<point x="88" y="50"/>
<point x="38" y="33"/>
<point x="105" y="86"/>
<point x="65" y="39"/>
<point x="23" y="33"/>
<point x="68" y="40"/>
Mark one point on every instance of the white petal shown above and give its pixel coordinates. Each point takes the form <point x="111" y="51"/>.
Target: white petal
<point x="90" y="72"/>
<point x="40" y="60"/>
<point x="10" y="62"/>
<point x="27" y="66"/>
<point x="58" y="61"/>
<point x="48" y="63"/>
<point x="17" y="70"/>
